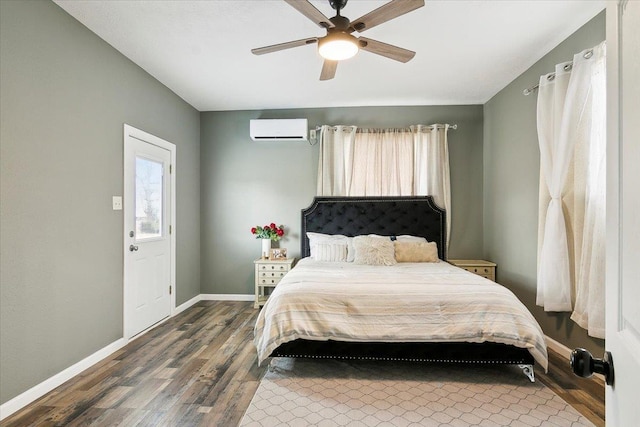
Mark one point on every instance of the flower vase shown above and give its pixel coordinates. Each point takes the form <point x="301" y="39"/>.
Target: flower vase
<point x="266" y="248"/>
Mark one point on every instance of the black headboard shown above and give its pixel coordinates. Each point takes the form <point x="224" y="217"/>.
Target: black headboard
<point x="387" y="216"/>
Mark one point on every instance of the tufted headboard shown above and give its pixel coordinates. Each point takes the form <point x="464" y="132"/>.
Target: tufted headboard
<point x="387" y="216"/>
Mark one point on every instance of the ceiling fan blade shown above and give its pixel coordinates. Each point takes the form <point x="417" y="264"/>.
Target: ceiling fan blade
<point x="310" y="11"/>
<point x="328" y="69"/>
<point x="384" y="49"/>
<point x="385" y="13"/>
<point x="282" y="46"/>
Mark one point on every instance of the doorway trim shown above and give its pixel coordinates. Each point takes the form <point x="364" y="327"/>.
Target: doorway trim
<point x="132" y="132"/>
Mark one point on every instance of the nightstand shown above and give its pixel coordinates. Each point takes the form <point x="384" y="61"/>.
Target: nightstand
<point x="268" y="274"/>
<point x="480" y="267"/>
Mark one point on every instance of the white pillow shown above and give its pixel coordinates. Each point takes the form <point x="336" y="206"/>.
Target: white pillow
<point x="334" y="252"/>
<point x="402" y="238"/>
<point x="351" y="252"/>
<point x="408" y="238"/>
<point x="316" y="239"/>
<point x="373" y="251"/>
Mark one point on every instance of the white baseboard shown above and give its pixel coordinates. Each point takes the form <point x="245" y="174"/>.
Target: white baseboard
<point x="227" y="297"/>
<point x="39" y="390"/>
<point x="213" y="297"/>
<point x="182" y="307"/>
<point x="559" y="348"/>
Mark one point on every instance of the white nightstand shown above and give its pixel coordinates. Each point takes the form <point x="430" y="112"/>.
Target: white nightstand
<point x="268" y="275"/>
<point x="480" y="267"/>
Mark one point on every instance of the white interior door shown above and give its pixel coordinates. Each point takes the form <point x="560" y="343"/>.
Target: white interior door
<point x="147" y="242"/>
<point x="623" y="211"/>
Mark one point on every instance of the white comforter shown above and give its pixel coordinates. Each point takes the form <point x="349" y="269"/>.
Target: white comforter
<point x="407" y="302"/>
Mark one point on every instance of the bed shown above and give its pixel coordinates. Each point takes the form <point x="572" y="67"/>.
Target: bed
<point x="430" y="312"/>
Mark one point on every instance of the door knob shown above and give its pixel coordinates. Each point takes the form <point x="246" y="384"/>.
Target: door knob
<point x="133" y="248"/>
<point x="584" y="365"/>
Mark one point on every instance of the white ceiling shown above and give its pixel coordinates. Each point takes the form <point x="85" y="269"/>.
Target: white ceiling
<point x="467" y="50"/>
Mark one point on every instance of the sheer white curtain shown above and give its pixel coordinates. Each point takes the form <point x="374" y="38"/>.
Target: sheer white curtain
<point x="432" y="176"/>
<point x="335" y="160"/>
<point x="386" y="162"/>
<point x="590" y="275"/>
<point x="570" y="132"/>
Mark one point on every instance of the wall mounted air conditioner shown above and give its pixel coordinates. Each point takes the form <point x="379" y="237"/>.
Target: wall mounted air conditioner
<point x="279" y="129"/>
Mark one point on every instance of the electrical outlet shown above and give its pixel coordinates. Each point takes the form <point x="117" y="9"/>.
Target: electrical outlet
<point x="117" y="203"/>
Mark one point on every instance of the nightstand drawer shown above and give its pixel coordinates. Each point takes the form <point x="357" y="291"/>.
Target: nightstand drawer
<point x="486" y="269"/>
<point x="269" y="281"/>
<point x="481" y="271"/>
<point x="273" y="267"/>
<point x="271" y="274"/>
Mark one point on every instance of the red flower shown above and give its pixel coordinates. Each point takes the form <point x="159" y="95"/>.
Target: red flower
<point x="271" y="231"/>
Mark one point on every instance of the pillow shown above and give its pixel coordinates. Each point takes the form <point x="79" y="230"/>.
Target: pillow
<point x="351" y="252"/>
<point x="407" y="238"/>
<point x="335" y="252"/>
<point x="373" y="251"/>
<point x="316" y="239"/>
<point x="416" y="251"/>
<point x="403" y="238"/>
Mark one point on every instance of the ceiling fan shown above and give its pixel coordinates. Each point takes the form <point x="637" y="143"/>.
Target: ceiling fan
<point x="339" y="43"/>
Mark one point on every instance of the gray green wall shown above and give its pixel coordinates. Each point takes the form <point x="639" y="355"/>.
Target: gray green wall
<point x="511" y="178"/>
<point x="65" y="97"/>
<point x="246" y="183"/>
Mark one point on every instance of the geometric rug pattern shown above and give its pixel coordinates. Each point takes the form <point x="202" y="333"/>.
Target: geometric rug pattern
<point x="325" y="392"/>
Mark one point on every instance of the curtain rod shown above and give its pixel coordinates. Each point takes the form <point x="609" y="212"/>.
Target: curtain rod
<point x="454" y="126"/>
<point x="567" y="67"/>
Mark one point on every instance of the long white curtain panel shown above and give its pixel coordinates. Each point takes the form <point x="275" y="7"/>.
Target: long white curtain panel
<point x="571" y="119"/>
<point x="589" y="68"/>
<point x="556" y="153"/>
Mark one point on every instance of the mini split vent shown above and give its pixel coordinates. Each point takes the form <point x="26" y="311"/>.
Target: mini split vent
<point x="279" y="129"/>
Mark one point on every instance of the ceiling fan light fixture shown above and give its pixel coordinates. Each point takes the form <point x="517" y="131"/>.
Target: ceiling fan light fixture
<point x="338" y="46"/>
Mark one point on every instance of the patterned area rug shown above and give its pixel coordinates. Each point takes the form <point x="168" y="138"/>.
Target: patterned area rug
<point x="308" y="392"/>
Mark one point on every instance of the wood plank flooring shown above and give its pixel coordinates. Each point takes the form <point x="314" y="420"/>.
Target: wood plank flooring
<point x="586" y="395"/>
<point x="200" y="369"/>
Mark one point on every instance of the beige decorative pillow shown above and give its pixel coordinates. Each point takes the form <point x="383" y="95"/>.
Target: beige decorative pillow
<point x="373" y="251"/>
<point x="416" y="251"/>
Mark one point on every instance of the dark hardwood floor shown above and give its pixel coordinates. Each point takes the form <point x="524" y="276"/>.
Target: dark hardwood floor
<point x="584" y="394"/>
<point x="199" y="369"/>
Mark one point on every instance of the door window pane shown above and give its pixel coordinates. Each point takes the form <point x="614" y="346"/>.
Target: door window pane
<point x="149" y="202"/>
